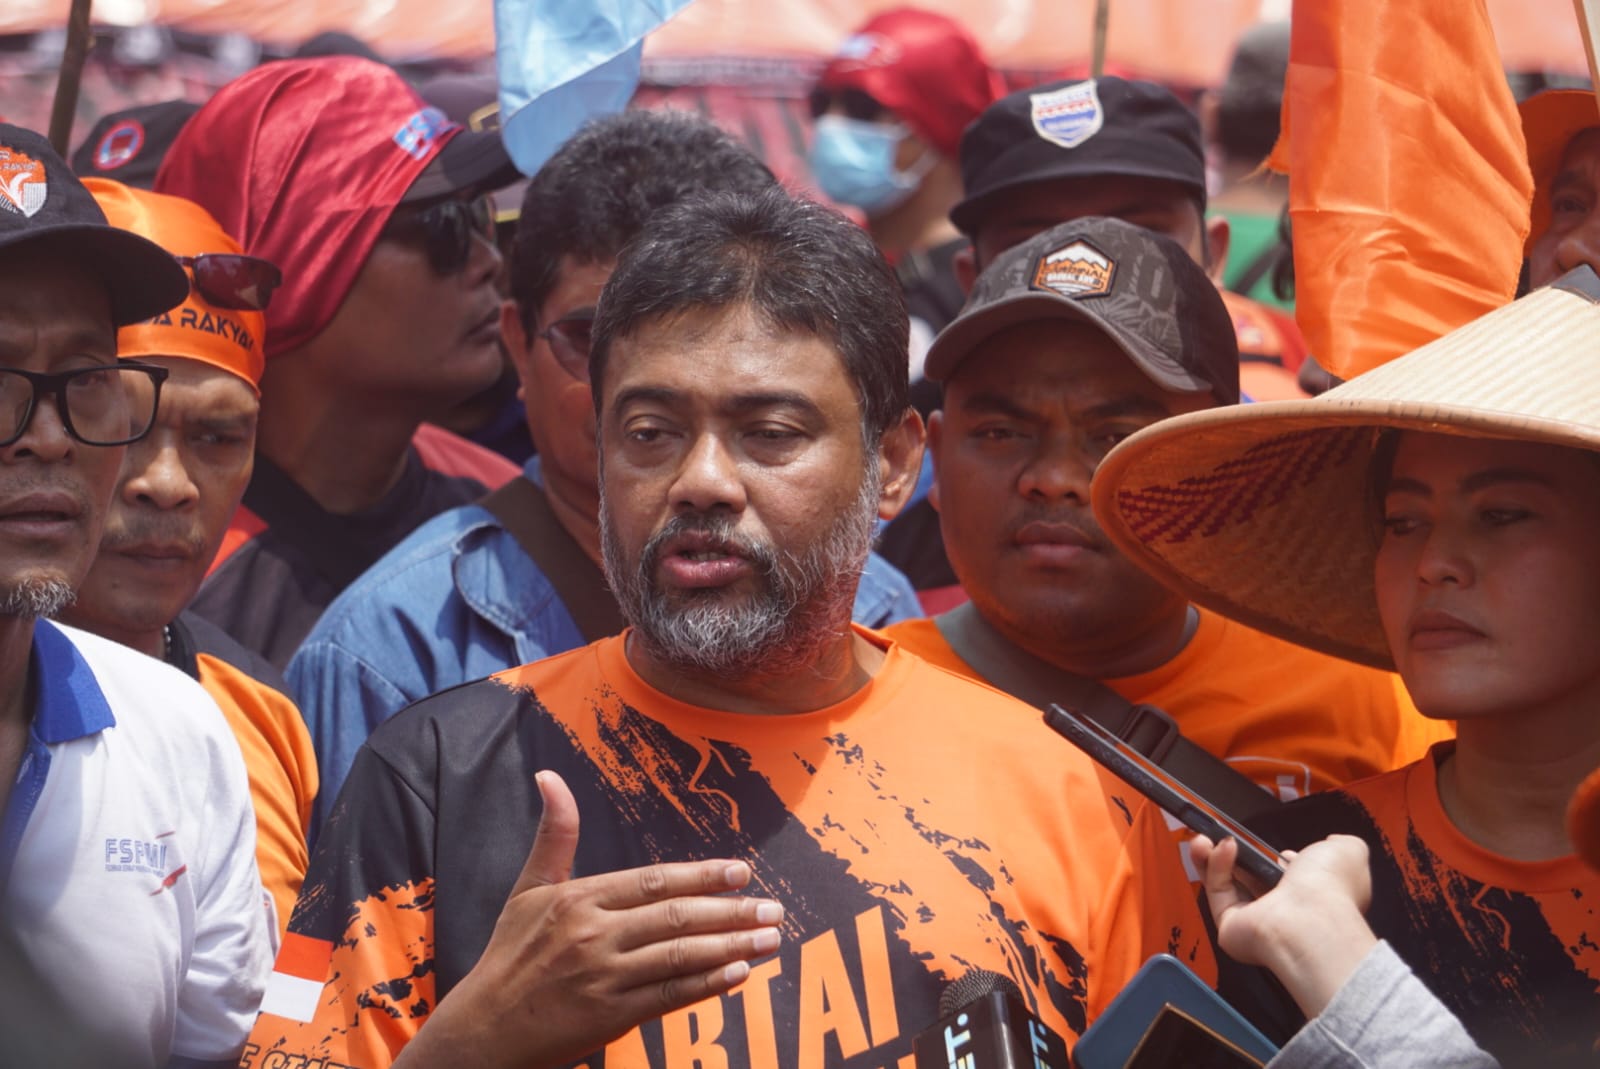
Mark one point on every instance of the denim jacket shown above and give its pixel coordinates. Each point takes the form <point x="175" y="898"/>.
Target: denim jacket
<point x="456" y="601"/>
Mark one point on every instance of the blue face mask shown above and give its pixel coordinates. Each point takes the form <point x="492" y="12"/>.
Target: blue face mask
<point x="853" y="163"/>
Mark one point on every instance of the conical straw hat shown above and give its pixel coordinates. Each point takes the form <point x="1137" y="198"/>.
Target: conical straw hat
<point x="1263" y="512"/>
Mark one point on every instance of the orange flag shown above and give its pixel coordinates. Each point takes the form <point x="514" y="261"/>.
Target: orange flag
<point x="1408" y="176"/>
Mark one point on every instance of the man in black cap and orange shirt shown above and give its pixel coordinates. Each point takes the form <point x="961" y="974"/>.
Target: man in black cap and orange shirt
<point x="1113" y="147"/>
<point x="373" y="205"/>
<point x="128" y="882"/>
<point x="1071" y="341"/>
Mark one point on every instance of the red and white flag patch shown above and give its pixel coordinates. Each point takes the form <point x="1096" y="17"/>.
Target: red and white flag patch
<point x="298" y="977"/>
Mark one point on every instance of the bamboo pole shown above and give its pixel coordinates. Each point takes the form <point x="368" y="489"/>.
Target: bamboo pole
<point x="1102" y="22"/>
<point x="73" y="56"/>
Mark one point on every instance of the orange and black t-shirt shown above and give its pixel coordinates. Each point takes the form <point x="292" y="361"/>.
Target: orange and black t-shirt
<point x="1512" y="948"/>
<point x="1292" y="720"/>
<point x="920" y="829"/>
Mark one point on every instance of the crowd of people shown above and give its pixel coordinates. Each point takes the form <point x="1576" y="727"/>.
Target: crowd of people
<point x="701" y="723"/>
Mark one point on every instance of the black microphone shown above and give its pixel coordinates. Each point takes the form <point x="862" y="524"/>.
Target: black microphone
<point x="984" y="1024"/>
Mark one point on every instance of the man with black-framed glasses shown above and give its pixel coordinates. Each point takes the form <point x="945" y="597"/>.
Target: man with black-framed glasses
<point x="516" y="578"/>
<point x="371" y="203"/>
<point x="128" y="884"/>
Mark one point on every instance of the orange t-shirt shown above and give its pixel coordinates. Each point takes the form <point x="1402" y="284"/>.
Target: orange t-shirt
<point x="920" y="829"/>
<point x="1512" y="948"/>
<point x="283" y="774"/>
<point x="1293" y="720"/>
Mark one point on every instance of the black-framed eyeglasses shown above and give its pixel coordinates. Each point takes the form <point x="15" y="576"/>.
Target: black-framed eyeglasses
<point x="233" y="280"/>
<point x="569" y="339"/>
<point x="446" y="230"/>
<point x="108" y="404"/>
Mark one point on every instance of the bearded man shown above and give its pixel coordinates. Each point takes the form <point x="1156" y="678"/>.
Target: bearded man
<point x="900" y="826"/>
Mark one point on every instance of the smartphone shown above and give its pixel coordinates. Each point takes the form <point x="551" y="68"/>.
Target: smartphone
<point x="1259" y="866"/>
<point x="1166" y="1015"/>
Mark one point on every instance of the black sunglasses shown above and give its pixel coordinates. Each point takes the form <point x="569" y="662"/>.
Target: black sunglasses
<point x="107" y="404"/>
<point x="569" y="339"/>
<point x="446" y="230"/>
<point x="231" y="280"/>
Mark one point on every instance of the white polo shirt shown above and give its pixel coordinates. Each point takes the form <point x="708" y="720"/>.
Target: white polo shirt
<point x="127" y="853"/>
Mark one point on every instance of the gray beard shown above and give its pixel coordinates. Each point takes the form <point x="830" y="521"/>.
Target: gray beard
<point x="31" y="599"/>
<point x="805" y="600"/>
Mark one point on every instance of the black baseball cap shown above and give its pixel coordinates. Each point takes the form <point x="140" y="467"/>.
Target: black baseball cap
<point x="44" y="205"/>
<point x="1140" y="288"/>
<point x="475" y="159"/>
<point x="1258" y="69"/>
<point x="473" y="100"/>
<point x="1105" y="127"/>
<point x="472" y="161"/>
<point x="129" y="145"/>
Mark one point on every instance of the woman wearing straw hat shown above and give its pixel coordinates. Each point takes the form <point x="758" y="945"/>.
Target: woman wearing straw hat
<point x="1438" y="515"/>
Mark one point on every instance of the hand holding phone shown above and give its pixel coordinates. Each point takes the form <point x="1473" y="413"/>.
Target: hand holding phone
<point x="1310" y="931"/>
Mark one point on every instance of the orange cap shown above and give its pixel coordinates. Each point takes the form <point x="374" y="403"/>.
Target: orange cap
<point x="1583" y="820"/>
<point x="227" y="338"/>
<point x="1550" y="120"/>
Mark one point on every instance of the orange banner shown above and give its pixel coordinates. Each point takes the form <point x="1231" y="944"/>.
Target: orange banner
<point x="1408" y="176"/>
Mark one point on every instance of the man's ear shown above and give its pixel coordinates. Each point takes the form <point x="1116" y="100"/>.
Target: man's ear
<point x="935" y="439"/>
<point x="1218" y="237"/>
<point x="518" y="343"/>
<point x="964" y="264"/>
<point x="899" y="463"/>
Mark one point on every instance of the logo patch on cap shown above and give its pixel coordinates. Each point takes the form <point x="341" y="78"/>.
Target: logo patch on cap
<point x="22" y="182"/>
<point x="869" y="50"/>
<point x="1075" y="270"/>
<point x="120" y="144"/>
<point x="419" y="133"/>
<point x="1068" y="117"/>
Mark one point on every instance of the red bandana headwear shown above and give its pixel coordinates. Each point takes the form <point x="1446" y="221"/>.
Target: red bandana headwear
<point x="304" y="161"/>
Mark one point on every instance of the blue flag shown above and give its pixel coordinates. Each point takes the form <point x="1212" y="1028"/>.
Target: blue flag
<point x="564" y="62"/>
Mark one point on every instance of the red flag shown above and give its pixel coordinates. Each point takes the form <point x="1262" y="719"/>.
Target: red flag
<point x="1408" y="176"/>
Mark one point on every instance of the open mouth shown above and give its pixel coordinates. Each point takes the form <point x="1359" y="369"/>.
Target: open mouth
<point x="701" y="559"/>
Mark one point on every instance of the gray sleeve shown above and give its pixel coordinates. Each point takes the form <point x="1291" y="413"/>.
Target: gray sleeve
<point x="1383" y="1017"/>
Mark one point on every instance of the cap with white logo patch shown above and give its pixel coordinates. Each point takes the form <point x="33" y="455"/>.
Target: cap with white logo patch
<point x="43" y="205"/>
<point x="1138" y="287"/>
<point x="1108" y="127"/>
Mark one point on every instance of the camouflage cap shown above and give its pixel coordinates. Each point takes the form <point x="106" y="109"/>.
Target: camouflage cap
<point x="1139" y="287"/>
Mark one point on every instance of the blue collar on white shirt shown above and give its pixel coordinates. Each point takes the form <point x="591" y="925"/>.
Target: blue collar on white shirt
<point x="70" y="706"/>
<point x="71" y="703"/>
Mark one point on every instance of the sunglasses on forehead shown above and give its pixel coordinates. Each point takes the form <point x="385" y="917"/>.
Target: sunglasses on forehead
<point x="445" y="230"/>
<point x="230" y="280"/>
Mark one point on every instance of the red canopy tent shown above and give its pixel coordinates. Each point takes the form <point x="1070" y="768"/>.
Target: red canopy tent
<point x="746" y="64"/>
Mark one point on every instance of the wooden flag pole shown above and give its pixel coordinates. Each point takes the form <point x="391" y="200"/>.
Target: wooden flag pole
<point x="73" y="56"/>
<point x="1102" y="22"/>
<point x="1588" y="25"/>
